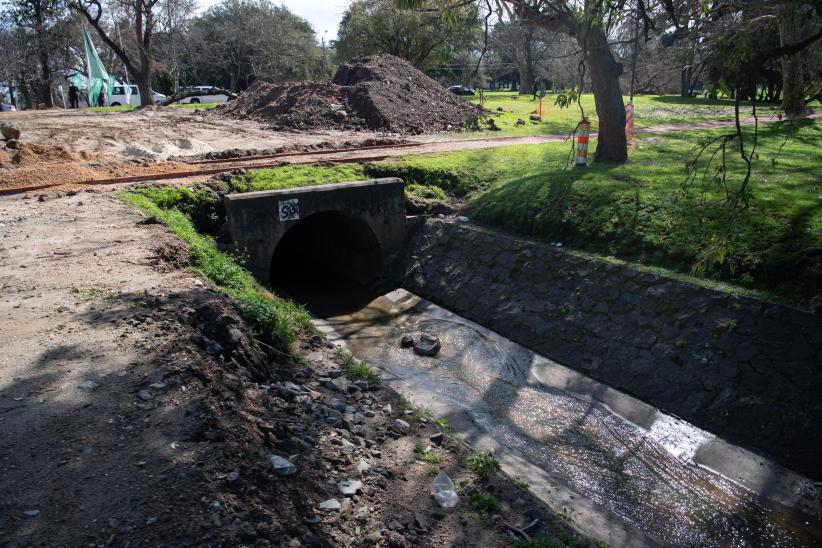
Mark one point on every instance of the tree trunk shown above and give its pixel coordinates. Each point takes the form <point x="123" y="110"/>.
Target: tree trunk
<point x="45" y="77"/>
<point x="525" y="61"/>
<point x="793" y="89"/>
<point x="143" y="32"/>
<point x="144" y="85"/>
<point x="684" y="82"/>
<point x="612" y="145"/>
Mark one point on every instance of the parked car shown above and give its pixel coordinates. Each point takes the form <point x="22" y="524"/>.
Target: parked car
<point x="209" y="95"/>
<point x="118" y="96"/>
<point x="461" y="90"/>
<point x="7" y="107"/>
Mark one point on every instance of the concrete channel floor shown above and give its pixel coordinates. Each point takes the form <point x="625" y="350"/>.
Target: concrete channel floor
<point x="578" y="442"/>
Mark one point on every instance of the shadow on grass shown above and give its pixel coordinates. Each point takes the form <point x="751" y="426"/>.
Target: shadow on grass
<point x="679" y="100"/>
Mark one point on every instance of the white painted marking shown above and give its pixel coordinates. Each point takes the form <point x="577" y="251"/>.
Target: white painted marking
<point x="289" y="210"/>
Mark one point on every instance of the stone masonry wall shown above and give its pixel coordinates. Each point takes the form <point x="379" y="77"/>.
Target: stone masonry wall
<point x="747" y="371"/>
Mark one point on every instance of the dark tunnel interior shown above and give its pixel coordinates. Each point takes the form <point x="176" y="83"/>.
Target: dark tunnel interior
<point x="329" y="262"/>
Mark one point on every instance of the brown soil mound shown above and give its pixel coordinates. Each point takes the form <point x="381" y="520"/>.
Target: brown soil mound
<point x="38" y="164"/>
<point x="32" y="153"/>
<point x="296" y="105"/>
<point x="376" y="92"/>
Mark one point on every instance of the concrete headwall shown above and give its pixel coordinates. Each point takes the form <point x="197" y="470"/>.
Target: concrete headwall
<point x="257" y="221"/>
<point x="745" y="370"/>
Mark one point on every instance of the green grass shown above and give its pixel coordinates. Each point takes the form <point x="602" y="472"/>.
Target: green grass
<point x="355" y="369"/>
<point x="520" y="483"/>
<point x="651" y="110"/>
<point x="425" y="191"/>
<point x="427" y="456"/>
<point x="483" y="464"/>
<point x="274" y="320"/>
<point x="302" y="175"/>
<point x="638" y="211"/>
<point x="119" y="108"/>
<point x="483" y="502"/>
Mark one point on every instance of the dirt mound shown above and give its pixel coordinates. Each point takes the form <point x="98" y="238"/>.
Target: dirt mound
<point x="32" y="153"/>
<point x="39" y="164"/>
<point x="376" y="92"/>
<point x="296" y="106"/>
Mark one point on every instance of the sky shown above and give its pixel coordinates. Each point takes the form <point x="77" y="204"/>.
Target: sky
<point x="324" y="15"/>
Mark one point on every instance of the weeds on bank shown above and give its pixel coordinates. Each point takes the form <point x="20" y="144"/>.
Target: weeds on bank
<point x="483" y="502"/>
<point x="428" y="456"/>
<point x="483" y="464"/>
<point x="354" y="369"/>
<point x="520" y="483"/>
<point x="418" y="412"/>
<point x="273" y="320"/>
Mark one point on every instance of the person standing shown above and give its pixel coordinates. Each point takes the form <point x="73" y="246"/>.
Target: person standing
<point x="102" y="98"/>
<point x="74" y="96"/>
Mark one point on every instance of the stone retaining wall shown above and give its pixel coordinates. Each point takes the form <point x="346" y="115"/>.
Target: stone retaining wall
<point x="747" y="371"/>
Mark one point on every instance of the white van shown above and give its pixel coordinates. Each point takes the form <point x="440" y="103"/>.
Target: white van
<point x="118" y="95"/>
<point x="207" y="96"/>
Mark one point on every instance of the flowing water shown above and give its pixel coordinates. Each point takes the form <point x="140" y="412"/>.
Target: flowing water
<point x="633" y="464"/>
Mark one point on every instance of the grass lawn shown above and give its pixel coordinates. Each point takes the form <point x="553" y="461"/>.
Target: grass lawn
<point x="635" y="211"/>
<point x="638" y="211"/>
<point x="651" y="110"/>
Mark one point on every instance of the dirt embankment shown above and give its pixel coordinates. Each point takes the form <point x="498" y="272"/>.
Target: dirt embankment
<point x="377" y="92"/>
<point x="35" y="164"/>
<point x="137" y="409"/>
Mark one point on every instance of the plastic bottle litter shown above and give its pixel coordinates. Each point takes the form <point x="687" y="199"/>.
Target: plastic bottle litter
<point x="443" y="491"/>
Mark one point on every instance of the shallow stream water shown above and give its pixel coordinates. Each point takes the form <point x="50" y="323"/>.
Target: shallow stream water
<point x="633" y="465"/>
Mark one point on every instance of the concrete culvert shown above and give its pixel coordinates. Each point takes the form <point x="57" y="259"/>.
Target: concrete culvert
<point x="330" y="262"/>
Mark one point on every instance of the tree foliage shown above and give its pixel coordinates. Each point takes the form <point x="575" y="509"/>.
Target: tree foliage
<point x="238" y="41"/>
<point x="422" y="37"/>
<point x="39" y="30"/>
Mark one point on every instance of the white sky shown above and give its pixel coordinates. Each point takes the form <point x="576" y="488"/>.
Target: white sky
<point x="324" y="15"/>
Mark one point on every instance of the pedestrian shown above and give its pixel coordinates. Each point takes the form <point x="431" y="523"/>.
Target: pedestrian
<point x="74" y="96"/>
<point x="102" y="99"/>
<point x="534" y="90"/>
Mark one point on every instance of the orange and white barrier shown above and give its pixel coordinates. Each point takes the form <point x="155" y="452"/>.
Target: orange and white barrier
<point x="583" y="131"/>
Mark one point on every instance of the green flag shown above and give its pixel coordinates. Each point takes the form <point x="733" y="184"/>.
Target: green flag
<point x="97" y="74"/>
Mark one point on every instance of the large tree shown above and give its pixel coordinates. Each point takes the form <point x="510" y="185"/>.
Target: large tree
<point x="750" y="45"/>
<point x="421" y="37"/>
<point x="525" y="45"/>
<point x="142" y="17"/>
<point x="40" y="21"/>
<point x="589" y="22"/>
<point x="238" y="41"/>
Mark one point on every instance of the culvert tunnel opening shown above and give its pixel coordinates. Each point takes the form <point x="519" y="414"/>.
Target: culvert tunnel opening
<point x="329" y="262"/>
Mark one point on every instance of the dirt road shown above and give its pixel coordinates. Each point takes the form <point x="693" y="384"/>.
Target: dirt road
<point x="81" y="147"/>
<point x="136" y="410"/>
<point x="159" y="133"/>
